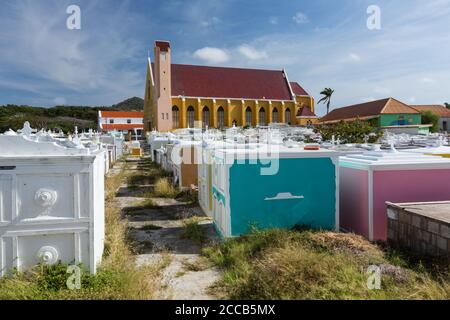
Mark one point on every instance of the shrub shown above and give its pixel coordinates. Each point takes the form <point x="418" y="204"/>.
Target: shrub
<point x="164" y="189"/>
<point x="429" y="117"/>
<point x="193" y="230"/>
<point x="350" y="132"/>
<point x="189" y="196"/>
<point x="283" y="264"/>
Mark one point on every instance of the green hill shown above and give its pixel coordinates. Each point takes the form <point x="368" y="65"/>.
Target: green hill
<point x="59" y="117"/>
<point x="132" y="104"/>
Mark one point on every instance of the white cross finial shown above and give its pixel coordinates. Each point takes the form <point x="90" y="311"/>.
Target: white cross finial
<point x="391" y="142"/>
<point x="26" y="130"/>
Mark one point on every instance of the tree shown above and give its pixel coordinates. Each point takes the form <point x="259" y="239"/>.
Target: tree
<point x="447" y="105"/>
<point x="429" y="117"/>
<point x="327" y="93"/>
<point x="350" y="132"/>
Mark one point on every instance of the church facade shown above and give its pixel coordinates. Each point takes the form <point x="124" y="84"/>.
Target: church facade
<point x="188" y="96"/>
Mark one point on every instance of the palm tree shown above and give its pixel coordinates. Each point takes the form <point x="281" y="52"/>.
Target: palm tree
<point x="327" y="93"/>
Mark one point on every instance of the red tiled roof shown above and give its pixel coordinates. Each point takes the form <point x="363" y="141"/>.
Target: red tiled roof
<point x="223" y="82"/>
<point x="305" y="113"/>
<point x="394" y="106"/>
<point x="369" y="110"/>
<point x="298" y="90"/>
<point x="439" y="110"/>
<point x="122" y="114"/>
<point x="163" y="45"/>
<point x="122" y="126"/>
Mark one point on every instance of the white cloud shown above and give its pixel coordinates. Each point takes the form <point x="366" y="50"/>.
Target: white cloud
<point x="368" y="99"/>
<point x="197" y="16"/>
<point x="273" y="20"/>
<point x="395" y="62"/>
<point x="212" y="55"/>
<point x="60" y="101"/>
<point x="210" y="22"/>
<point x="251" y="53"/>
<point x="438" y="4"/>
<point x="382" y="90"/>
<point x="300" y="18"/>
<point x="354" y="57"/>
<point x="40" y="59"/>
<point x="427" y="80"/>
<point x="83" y="66"/>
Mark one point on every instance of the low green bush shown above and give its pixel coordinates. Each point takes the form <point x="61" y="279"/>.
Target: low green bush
<point x="193" y="230"/>
<point x="350" y="132"/>
<point x="283" y="264"/>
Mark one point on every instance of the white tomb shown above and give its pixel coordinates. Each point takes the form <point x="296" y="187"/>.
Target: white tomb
<point x="51" y="202"/>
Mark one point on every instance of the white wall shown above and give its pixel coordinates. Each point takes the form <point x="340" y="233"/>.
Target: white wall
<point x="441" y="123"/>
<point x="122" y="120"/>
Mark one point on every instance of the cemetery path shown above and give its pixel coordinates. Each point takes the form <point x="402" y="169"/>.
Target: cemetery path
<point x="157" y="232"/>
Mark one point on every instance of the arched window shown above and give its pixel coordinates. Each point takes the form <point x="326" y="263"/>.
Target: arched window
<point x="190" y="116"/>
<point x="262" y="117"/>
<point x="175" y="117"/>
<point x="248" y="116"/>
<point x="287" y="116"/>
<point x="220" y="118"/>
<point x="205" y="116"/>
<point x="275" y="117"/>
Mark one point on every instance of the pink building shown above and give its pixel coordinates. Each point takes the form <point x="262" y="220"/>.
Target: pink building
<point x="368" y="180"/>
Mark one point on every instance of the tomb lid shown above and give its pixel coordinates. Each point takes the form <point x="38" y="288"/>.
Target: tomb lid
<point x="273" y="151"/>
<point x="393" y="159"/>
<point x="10" y="132"/>
<point x="21" y="145"/>
<point x="186" y="142"/>
<point x="431" y="150"/>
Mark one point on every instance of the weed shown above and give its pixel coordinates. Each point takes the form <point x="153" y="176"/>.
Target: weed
<point x="282" y="264"/>
<point x="164" y="189"/>
<point x="150" y="227"/>
<point x="199" y="264"/>
<point x="194" y="231"/>
<point x="189" y="196"/>
<point x="138" y="208"/>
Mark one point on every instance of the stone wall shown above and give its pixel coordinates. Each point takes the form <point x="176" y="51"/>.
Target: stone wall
<point x="417" y="232"/>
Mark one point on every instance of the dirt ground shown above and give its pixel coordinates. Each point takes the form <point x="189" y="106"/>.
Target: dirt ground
<point x="157" y="232"/>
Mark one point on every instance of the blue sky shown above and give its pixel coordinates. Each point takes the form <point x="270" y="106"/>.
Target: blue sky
<point x="322" y="43"/>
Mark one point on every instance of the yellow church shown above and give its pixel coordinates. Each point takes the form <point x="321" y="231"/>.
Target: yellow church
<point x="188" y="96"/>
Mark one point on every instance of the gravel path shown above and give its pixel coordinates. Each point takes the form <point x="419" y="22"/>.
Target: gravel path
<point x="158" y="231"/>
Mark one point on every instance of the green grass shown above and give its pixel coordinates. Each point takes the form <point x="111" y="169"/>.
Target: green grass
<point x="280" y="264"/>
<point x="139" y="207"/>
<point x="197" y="265"/>
<point x="110" y="283"/>
<point x="188" y="196"/>
<point x="194" y="231"/>
<point x="147" y="204"/>
<point x="150" y="227"/>
<point x="164" y="189"/>
<point x="147" y="174"/>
